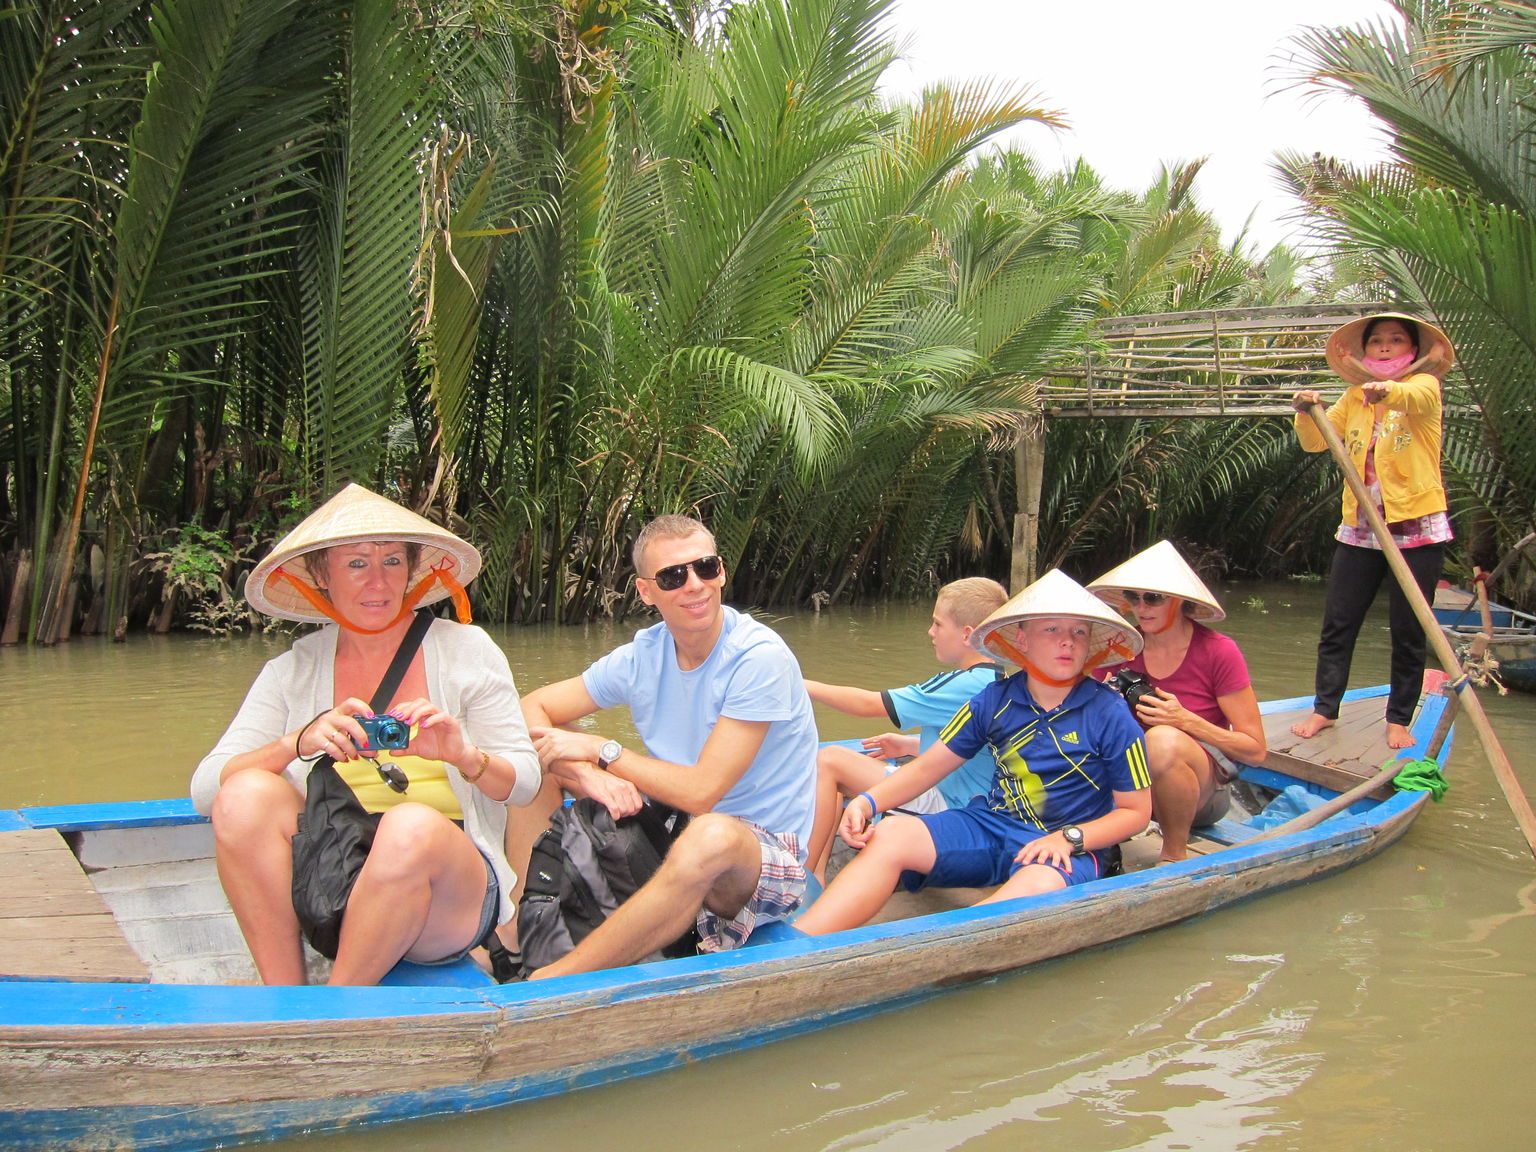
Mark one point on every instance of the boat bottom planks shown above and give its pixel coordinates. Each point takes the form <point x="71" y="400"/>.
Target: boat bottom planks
<point x="93" y="1055"/>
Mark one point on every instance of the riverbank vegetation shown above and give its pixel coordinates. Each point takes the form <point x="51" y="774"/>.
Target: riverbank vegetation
<point x="545" y="269"/>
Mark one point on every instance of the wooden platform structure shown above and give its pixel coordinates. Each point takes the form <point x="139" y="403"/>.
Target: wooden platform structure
<point x="1340" y="756"/>
<point x="1230" y="362"/>
<point x="53" y="923"/>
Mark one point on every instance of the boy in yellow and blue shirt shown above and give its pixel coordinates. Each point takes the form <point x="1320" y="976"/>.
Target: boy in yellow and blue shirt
<point x="1071" y="780"/>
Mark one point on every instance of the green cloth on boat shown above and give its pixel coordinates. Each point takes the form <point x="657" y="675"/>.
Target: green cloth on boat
<point x="1421" y="776"/>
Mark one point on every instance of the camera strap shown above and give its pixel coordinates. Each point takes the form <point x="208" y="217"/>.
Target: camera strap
<point x="403" y="657"/>
<point x="505" y="964"/>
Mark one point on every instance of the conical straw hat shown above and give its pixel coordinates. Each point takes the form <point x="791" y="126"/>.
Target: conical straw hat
<point x="1110" y="639"/>
<point x="356" y="516"/>
<point x="1159" y="568"/>
<point x="1347" y="345"/>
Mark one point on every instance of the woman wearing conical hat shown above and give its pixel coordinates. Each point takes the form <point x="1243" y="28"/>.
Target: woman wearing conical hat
<point x="1389" y="421"/>
<point x="436" y="882"/>
<point x="1071" y="778"/>
<point x="1198" y="706"/>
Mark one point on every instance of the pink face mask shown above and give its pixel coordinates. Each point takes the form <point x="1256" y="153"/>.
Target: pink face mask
<point x="1389" y="369"/>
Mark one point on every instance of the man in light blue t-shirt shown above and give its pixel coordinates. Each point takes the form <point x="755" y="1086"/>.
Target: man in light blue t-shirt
<point x="730" y="738"/>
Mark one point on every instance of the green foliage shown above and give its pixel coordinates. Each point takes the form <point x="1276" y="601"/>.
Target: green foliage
<point x="543" y="271"/>
<point x="1449" y="227"/>
<point x="195" y="566"/>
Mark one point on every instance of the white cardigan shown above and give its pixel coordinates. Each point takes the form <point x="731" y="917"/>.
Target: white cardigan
<point x="467" y="675"/>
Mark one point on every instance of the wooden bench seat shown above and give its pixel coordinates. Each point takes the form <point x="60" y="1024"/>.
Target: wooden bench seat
<point x="53" y="924"/>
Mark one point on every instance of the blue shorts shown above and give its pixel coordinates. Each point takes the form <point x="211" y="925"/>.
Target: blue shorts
<point x="975" y="846"/>
<point x="489" y="907"/>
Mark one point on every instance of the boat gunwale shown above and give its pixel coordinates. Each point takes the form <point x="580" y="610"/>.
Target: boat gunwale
<point x="30" y="1005"/>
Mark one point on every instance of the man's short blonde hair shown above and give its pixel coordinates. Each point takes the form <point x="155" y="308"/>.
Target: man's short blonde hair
<point x="666" y="528"/>
<point x="972" y="600"/>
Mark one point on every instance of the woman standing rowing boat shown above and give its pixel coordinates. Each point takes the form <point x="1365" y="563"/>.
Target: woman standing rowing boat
<point x="1389" y="421"/>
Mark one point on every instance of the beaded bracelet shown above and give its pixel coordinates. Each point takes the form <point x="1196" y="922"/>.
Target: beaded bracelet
<point x="485" y="762"/>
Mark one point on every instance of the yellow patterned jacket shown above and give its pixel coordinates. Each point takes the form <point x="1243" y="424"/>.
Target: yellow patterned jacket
<point x="1407" y="451"/>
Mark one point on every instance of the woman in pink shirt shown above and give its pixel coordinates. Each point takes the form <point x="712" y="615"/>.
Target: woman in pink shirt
<point x="1201" y="713"/>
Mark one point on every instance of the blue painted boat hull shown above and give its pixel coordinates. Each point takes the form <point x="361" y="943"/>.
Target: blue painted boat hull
<point x="197" y="1066"/>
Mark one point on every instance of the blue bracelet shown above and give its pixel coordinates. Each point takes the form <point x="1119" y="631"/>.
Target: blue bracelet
<point x="874" y="809"/>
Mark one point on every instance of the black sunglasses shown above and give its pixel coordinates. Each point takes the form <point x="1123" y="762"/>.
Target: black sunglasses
<point x="392" y="775"/>
<point x="1150" y="599"/>
<point x="674" y="576"/>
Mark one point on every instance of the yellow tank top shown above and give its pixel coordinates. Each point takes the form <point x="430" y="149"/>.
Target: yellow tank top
<point x="428" y="784"/>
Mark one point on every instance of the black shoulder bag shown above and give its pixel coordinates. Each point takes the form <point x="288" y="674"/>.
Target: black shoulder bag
<point x="335" y="832"/>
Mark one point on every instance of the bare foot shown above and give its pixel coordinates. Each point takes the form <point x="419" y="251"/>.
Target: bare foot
<point x="1311" y="726"/>
<point x="1398" y="736"/>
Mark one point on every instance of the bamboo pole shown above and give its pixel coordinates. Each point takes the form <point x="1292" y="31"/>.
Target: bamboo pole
<point x="1503" y="771"/>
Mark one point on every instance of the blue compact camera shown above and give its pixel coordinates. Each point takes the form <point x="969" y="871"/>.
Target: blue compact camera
<point x="384" y="732"/>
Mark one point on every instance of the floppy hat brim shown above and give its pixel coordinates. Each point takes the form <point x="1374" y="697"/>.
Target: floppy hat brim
<point x="1159" y="568"/>
<point x="1346" y="346"/>
<point x="1110" y="639"/>
<point x="355" y="516"/>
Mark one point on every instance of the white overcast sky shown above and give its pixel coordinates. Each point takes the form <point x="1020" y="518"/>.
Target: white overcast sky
<point x="1144" y="83"/>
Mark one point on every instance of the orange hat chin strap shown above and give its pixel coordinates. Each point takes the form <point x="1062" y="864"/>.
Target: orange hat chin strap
<point x="1006" y="647"/>
<point x="1029" y="666"/>
<point x="1174" y="606"/>
<point x="1010" y="650"/>
<point x="1113" y="650"/>
<point x="323" y="605"/>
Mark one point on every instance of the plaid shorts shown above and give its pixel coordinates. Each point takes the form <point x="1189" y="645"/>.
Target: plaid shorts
<point x="780" y="890"/>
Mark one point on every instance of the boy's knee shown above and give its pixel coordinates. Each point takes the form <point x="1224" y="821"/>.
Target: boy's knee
<point x="904" y="840"/>
<point x="832" y="763"/>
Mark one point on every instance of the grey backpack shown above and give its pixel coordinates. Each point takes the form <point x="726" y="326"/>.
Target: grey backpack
<point x="583" y="866"/>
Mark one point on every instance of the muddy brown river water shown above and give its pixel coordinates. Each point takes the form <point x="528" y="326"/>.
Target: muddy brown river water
<point x="1388" y="1008"/>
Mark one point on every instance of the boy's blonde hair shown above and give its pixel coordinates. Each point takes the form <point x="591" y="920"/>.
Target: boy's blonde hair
<point x="972" y="600"/>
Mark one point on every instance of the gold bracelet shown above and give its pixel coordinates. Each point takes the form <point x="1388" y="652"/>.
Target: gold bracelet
<point x="485" y="762"/>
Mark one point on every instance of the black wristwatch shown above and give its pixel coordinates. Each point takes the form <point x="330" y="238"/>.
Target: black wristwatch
<point x="1073" y="835"/>
<point x="608" y="753"/>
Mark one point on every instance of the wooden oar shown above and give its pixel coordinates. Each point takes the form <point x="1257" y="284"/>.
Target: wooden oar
<point x="1481" y="584"/>
<point x="1503" y="771"/>
<point x="1483" y="639"/>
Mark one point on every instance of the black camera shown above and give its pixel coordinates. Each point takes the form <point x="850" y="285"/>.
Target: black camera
<point x="384" y="732"/>
<point x="1132" y="685"/>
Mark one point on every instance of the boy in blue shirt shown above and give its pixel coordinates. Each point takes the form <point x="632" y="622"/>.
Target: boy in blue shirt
<point x="1071" y="780"/>
<point x="842" y="773"/>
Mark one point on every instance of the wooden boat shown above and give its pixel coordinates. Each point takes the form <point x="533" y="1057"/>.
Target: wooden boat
<point x="1512" y="635"/>
<point x="129" y="1019"/>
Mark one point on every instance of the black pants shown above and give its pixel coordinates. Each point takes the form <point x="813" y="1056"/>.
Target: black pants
<point x="1357" y="575"/>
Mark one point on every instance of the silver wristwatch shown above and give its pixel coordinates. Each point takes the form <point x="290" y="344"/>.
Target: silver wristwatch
<point x="608" y="753"/>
